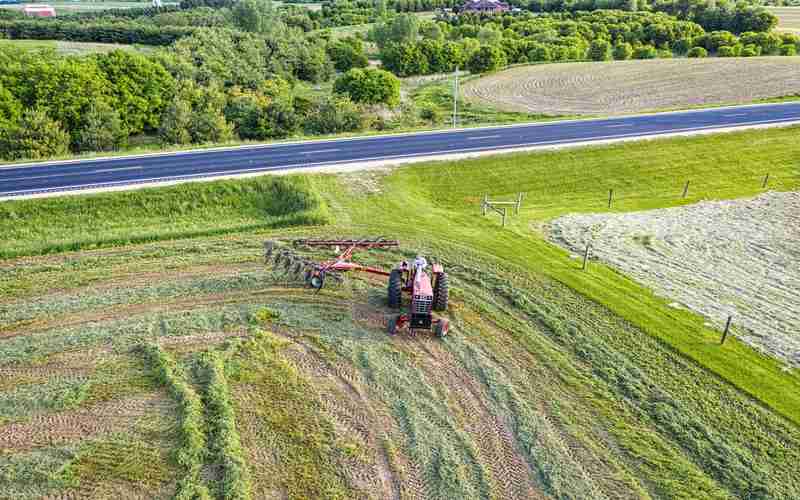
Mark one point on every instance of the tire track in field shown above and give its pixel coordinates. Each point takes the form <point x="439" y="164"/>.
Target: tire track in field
<point x="497" y="446"/>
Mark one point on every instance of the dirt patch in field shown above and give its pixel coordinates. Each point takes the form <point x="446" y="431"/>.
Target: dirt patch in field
<point x="634" y="86"/>
<point x="718" y="258"/>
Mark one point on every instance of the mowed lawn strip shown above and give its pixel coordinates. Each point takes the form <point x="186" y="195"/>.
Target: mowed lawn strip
<point x="441" y="202"/>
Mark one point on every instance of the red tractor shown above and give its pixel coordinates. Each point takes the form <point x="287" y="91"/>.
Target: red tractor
<point x="428" y="293"/>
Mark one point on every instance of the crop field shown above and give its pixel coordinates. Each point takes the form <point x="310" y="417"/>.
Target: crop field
<point x="635" y="86"/>
<point x="788" y="18"/>
<point x="160" y="356"/>
<point x="67" y="48"/>
<point x="718" y="258"/>
<point x="84" y="6"/>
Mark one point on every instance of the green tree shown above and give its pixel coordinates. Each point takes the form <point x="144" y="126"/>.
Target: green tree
<point x="255" y="16"/>
<point x="104" y="130"/>
<point x="401" y="29"/>
<point x="10" y="108"/>
<point x="600" y="50"/>
<point x="697" y="52"/>
<point x="623" y="51"/>
<point x="36" y="136"/>
<point x="487" y="59"/>
<point x="369" y="86"/>
<point x="141" y="88"/>
<point x="645" y="52"/>
<point x="788" y="50"/>
<point x="332" y="115"/>
<point x="347" y="53"/>
<point x="175" y="123"/>
<point x="540" y="53"/>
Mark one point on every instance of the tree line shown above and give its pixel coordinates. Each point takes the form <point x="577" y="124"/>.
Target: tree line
<point x="486" y="43"/>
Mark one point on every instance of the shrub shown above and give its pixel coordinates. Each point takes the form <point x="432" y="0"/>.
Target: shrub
<point x="623" y="51"/>
<point x="600" y="50"/>
<point x="697" y="52"/>
<point x="726" y="51"/>
<point x="36" y="136"/>
<point x="540" y="53"/>
<point x="751" y="51"/>
<point x="488" y="58"/>
<point x="645" y="52"/>
<point x="788" y="50"/>
<point x="369" y="86"/>
<point x="332" y="115"/>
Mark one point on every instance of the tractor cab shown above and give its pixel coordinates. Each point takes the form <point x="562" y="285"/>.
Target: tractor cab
<point x="428" y="293"/>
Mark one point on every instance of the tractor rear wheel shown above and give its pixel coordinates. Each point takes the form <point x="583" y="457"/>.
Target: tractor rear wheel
<point x="395" y="288"/>
<point x="441" y="328"/>
<point x="440" y="293"/>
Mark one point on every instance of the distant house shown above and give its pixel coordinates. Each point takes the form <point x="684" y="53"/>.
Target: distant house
<point x="485" y="6"/>
<point x="39" y="10"/>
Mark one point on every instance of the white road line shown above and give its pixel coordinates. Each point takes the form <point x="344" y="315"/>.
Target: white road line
<point x="620" y="125"/>
<point x="734" y="115"/>
<point x="115" y="170"/>
<point x="483" y="137"/>
<point x="587" y="141"/>
<point x="320" y="151"/>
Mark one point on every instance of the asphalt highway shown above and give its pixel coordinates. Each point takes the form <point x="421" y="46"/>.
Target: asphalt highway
<point x="52" y="177"/>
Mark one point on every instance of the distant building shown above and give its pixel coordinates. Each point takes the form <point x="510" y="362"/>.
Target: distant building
<point x="39" y="10"/>
<point x="485" y="6"/>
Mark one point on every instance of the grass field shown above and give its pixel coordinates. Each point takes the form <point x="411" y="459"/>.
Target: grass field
<point x="788" y="18"/>
<point x="84" y="6"/>
<point x="634" y="86"/>
<point x="235" y="382"/>
<point x="68" y="48"/>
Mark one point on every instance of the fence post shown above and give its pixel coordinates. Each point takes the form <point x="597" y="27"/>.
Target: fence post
<point x="766" y="180"/>
<point x="483" y="205"/>
<point x="727" y="329"/>
<point x="519" y="203"/>
<point x="585" y="256"/>
<point x="610" y="197"/>
<point x="685" y="189"/>
<point x="504" y="216"/>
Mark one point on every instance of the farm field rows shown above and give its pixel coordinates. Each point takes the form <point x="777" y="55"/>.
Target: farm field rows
<point x="719" y="258"/>
<point x="169" y="340"/>
<point x="68" y="48"/>
<point x="620" y="87"/>
<point x="84" y="6"/>
<point x="788" y="18"/>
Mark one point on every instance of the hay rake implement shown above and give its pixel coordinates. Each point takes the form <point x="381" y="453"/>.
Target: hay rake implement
<point x="314" y="274"/>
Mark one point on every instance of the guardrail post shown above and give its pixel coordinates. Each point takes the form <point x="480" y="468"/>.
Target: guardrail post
<point x="766" y="180"/>
<point x="727" y="329"/>
<point x="685" y="189"/>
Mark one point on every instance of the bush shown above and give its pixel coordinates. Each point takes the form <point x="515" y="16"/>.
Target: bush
<point x="623" y="51"/>
<point x="103" y="131"/>
<point x="600" y="50"/>
<point x="37" y="136"/>
<point x="751" y="51"/>
<point x="347" y="53"/>
<point x="488" y="58"/>
<point x="645" y="52"/>
<point x="788" y="50"/>
<point x="369" y="86"/>
<point x="332" y="116"/>
<point x="682" y="45"/>
<point x="697" y="52"/>
<point x="540" y="53"/>
<point x="726" y="51"/>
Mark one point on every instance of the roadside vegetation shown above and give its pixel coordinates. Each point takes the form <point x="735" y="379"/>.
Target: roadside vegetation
<point x="223" y="71"/>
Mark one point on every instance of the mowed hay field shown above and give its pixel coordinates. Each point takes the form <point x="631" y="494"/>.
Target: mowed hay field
<point x="148" y="351"/>
<point x="635" y="86"/>
<point x="788" y="18"/>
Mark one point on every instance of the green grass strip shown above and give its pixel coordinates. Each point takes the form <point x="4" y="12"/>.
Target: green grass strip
<point x="191" y="454"/>
<point x="225" y="441"/>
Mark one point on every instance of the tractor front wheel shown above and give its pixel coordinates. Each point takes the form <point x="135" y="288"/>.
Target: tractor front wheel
<point x="441" y="328"/>
<point x="440" y="293"/>
<point x="392" y="325"/>
<point x="395" y="289"/>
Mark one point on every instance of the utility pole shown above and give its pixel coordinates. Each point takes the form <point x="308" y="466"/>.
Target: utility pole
<point x="455" y="99"/>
